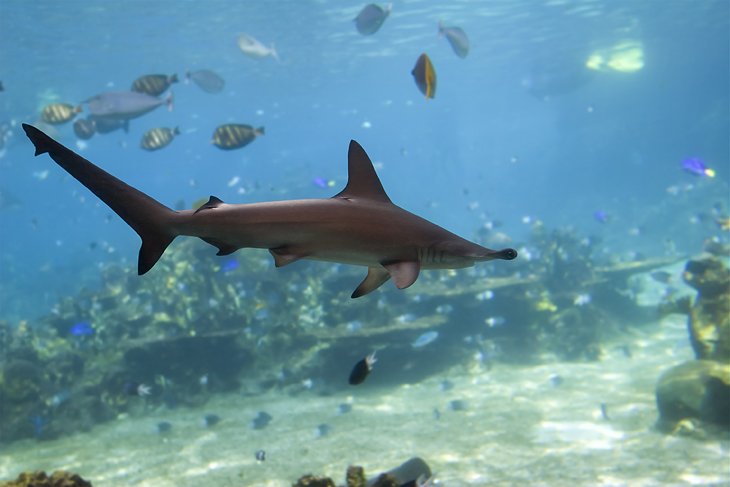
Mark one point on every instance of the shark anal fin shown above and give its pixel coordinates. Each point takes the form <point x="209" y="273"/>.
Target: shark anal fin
<point x="404" y="273"/>
<point x="213" y="202"/>
<point x="283" y="256"/>
<point x="223" y="248"/>
<point x="376" y="277"/>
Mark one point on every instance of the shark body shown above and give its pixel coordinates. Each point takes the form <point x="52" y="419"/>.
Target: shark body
<point x="359" y="225"/>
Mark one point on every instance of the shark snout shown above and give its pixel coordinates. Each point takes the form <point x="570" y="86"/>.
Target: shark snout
<point x="506" y="254"/>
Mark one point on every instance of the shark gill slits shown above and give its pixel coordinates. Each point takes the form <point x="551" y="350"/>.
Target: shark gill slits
<point x="58" y="113"/>
<point x="425" y="76"/>
<point x="157" y="138"/>
<point x="153" y="84"/>
<point x="234" y="136"/>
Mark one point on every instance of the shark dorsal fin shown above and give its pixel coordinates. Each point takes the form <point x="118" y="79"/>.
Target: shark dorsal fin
<point x="362" y="181"/>
<point x="213" y="202"/>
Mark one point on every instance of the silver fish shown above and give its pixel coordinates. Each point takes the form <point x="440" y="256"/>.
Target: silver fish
<point x="206" y="80"/>
<point x="371" y="18"/>
<point x="124" y="105"/>
<point x="457" y="38"/>
<point x="251" y="47"/>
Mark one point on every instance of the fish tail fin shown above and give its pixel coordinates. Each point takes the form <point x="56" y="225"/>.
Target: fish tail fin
<point x="260" y="131"/>
<point x="154" y="222"/>
<point x="176" y="131"/>
<point x="169" y="101"/>
<point x="275" y="54"/>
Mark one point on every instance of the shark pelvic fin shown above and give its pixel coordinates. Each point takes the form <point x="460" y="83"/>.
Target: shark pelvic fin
<point x="376" y="277"/>
<point x="283" y="256"/>
<point x="223" y="248"/>
<point x="362" y="180"/>
<point x="213" y="202"/>
<point x="404" y="273"/>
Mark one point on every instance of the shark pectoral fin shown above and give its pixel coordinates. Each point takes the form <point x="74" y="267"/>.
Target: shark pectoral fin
<point x="404" y="273"/>
<point x="223" y="248"/>
<point x="376" y="277"/>
<point x="283" y="256"/>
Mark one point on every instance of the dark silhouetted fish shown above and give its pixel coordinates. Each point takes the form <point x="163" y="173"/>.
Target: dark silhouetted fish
<point x="164" y="427"/>
<point x="425" y="76"/>
<point x="58" y="113"/>
<point x="361" y="370"/>
<point x="260" y="455"/>
<point x="124" y="105"/>
<point x="157" y="138"/>
<point x="107" y="125"/>
<point x="153" y="84"/>
<point x="84" y="128"/>
<point x="371" y="18"/>
<point x="457" y="38"/>
<point x="206" y="80"/>
<point x="210" y="420"/>
<point x="235" y="135"/>
<point x="358" y="226"/>
<point x="261" y="420"/>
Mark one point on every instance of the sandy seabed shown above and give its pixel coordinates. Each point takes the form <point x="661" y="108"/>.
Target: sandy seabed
<point x="518" y="428"/>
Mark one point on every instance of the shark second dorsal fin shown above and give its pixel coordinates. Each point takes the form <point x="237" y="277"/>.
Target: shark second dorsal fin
<point x="362" y="180"/>
<point x="213" y="202"/>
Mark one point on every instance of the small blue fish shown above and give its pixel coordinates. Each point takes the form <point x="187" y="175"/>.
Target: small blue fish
<point x="229" y="265"/>
<point x="260" y="455"/>
<point x="39" y="424"/>
<point x="261" y="420"/>
<point x="320" y="182"/>
<point x="322" y="430"/>
<point x="81" y="329"/>
<point x="600" y="216"/>
<point x="164" y="427"/>
<point x="696" y="166"/>
<point x="425" y="339"/>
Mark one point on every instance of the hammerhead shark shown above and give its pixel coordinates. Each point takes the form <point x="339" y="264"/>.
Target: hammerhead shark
<point x="358" y="226"/>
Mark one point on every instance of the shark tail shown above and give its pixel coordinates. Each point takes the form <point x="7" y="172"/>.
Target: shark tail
<point x="153" y="221"/>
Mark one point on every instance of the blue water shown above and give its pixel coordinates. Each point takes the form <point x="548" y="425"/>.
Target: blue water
<point x="484" y="149"/>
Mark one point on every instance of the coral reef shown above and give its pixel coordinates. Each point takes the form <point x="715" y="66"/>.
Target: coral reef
<point x="698" y="391"/>
<point x="59" y="478"/>
<point x="201" y="324"/>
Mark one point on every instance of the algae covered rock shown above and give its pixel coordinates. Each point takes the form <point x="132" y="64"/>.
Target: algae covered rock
<point x="314" y="481"/>
<point x="59" y="478"/>
<point x="698" y="389"/>
<point x="709" y="316"/>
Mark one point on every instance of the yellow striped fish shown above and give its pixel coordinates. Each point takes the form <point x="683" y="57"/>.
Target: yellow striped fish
<point x="157" y="138"/>
<point x="235" y="135"/>
<point x="58" y="113"/>
<point x="153" y="84"/>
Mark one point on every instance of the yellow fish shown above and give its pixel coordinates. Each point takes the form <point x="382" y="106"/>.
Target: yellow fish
<point x="425" y="76"/>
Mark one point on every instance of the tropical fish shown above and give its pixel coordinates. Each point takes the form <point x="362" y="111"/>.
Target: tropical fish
<point x="361" y="370"/>
<point x="696" y="166"/>
<point x="58" y="113"/>
<point x="157" y="138"/>
<point x="137" y="389"/>
<point x="371" y="18"/>
<point x="425" y="339"/>
<point x="124" y="105"/>
<point x="260" y="455"/>
<point x="210" y="420"/>
<point x="82" y="328"/>
<point x="348" y="228"/>
<point x="261" y="420"/>
<point x="235" y="135"/>
<point x="251" y="47"/>
<point x="457" y="39"/>
<point x="153" y="84"/>
<point x="206" y="80"/>
<point x="322" y="430"/>
<point x="425" y="76"/>
<point x="164" y="427"/>
<point x="84" y="128"/>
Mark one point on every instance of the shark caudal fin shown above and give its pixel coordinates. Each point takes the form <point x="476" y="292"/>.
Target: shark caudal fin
<point x="152" y="220"/>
